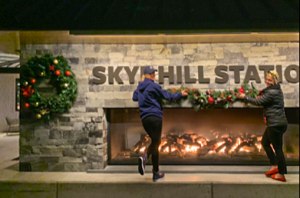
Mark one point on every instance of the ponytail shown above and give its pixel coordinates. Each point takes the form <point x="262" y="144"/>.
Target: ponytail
<point x="142" y="79"/>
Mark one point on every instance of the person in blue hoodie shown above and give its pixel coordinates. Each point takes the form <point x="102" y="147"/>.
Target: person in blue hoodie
<point x="149" y="95"/>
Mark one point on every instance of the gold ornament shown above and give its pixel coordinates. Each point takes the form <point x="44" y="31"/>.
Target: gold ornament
<point x="45" y="111"/>
<point x="38" y="116"/>
<point x="42" y="74"/>
<point x="55" y="61"/>
<point x="66" y="85"/>
<point x="201" y="100"/>
<point x="25" y="83"/>
<point x="36" y="104"/>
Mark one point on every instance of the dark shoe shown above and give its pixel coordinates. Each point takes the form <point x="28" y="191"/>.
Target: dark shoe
<point x="142" y="164"/>
<point x="272" y="172"/>
<point x="157" y="176"/>
<point x="282" y="179"/>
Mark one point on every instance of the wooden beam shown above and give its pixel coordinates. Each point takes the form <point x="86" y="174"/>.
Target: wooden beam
<point x="64" y="37"/>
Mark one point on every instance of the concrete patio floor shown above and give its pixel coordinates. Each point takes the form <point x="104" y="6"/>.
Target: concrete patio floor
<point x="130" y="185"/>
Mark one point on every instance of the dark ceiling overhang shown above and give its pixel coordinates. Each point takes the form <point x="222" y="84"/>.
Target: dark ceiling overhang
<point x="151" y="16"/>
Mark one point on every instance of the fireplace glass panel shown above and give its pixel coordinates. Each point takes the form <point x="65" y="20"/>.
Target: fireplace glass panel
<point x="206" y="137"/>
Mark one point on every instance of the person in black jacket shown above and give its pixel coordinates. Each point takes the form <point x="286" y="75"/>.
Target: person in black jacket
<point x="274" y="114"/>
<point x="149" y="95"/>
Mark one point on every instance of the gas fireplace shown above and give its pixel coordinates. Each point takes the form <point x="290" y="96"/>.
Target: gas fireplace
<point x="206" y="137"/>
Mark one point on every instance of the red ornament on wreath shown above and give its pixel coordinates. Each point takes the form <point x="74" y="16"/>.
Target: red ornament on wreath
<point x="27" y="91"/>
<point x="27" y="105"/>
<point x="51" y="68"/>
<point x="211" y="100"/>
<point x="68" y="73"/>
<point x="229" y="98"/>
<point x="57" y="72"/>
<point x="33" y="81"/>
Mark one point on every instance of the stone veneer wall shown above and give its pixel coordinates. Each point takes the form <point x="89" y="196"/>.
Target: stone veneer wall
<point x="77" y="140"/>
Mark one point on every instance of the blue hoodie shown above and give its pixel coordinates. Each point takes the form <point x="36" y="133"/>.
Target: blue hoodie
<point x="150" y="95"/>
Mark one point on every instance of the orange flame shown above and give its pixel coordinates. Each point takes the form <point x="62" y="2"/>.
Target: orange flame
<point x="191" y="148"/>
<point x="220" y="143"/>
<point x="259" y="147"/>
<point x="222" y="150"/>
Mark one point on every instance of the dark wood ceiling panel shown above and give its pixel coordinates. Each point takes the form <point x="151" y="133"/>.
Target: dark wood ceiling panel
<point x="121" y="11"/>
<point x="37" y="13"/>
<point x="177" y="11"/>
<point x="281" y="9"/>
<point x="94" y="11"/>
<point x="256" y="11"/>
<point x="63" y="16"/>
<point x="228" y="10"/>
<point x="149" y="11"/>
<point x="202" y="11"/>
<point x="243" y="15"/>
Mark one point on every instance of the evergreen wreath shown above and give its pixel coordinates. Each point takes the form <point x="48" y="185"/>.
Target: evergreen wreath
<point x="213" y="99"/>
<point x="54" y="71"/>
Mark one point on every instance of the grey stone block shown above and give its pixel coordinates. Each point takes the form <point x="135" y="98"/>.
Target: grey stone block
<point x="95" y="159"/>
<point x="129" y="88"/>
<point x="142" y="47"/>
<point x="64" y="119"/>
<point x="96" y="88"/>
<point x="89" y="109"/>
<point x="255" y="190"/>
<point x="97" y="48"/>
<point x="176" y="49"/>
<point x="104" y="61"/>
<point x="74" y="61"/>
<point x="49" y="159"/>
<point x="137" y="190"/>
<point x="90" y="60"/>
<point x="55" y="134"/>
<point x="69" y="153"/>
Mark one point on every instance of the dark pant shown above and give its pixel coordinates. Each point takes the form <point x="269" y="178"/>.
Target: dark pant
<point x="153" y="126"/>
<point x="274" y="136"/>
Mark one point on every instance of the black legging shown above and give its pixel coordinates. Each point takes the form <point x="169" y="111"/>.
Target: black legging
<point x="274" y="136"/>
<point x="153" y="126"/>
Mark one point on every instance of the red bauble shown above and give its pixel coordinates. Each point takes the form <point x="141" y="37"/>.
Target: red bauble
<point x="57" y="72"/>
<point x="33" y="81"/>
<point x="241" y="91"/>
<point x="211" y="100"/>
<point x="229" y="98"/>
<point x="173" y="90"/>
<point x="27" y="105"/>
<point x="68" y="73"/>
<point x="51" y="68"/>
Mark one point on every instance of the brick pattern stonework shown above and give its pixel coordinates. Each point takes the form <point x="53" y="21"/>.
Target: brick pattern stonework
<point x="77" y="140"/>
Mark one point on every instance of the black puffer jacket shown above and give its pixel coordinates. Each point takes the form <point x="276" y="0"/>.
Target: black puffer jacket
<point x="272" y="101"/>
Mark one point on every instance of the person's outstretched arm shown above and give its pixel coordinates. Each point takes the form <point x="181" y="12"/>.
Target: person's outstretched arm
<point x="167" y="95"/>
<point x="265" y="99"/>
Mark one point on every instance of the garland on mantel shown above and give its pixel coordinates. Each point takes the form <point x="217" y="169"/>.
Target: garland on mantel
<point x="52" y="72"/>
<point x="212" y="99"/>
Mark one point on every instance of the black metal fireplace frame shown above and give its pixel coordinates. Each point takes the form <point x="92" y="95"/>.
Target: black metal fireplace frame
<point x="292" y="115"/>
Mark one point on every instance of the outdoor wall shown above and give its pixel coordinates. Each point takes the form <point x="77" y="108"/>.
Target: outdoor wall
<point x="7" y="99"/>
<point x="77" y="140"/>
